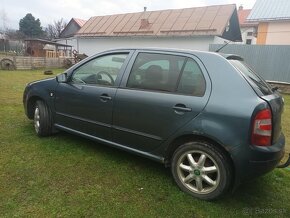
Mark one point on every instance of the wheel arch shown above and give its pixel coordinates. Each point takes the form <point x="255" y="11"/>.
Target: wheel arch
<point x="177" y="142"/>
<point x="31" y="105"/>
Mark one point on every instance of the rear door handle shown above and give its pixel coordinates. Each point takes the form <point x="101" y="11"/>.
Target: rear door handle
<point x="181" y="108"/>
<point x="105" y="97"/>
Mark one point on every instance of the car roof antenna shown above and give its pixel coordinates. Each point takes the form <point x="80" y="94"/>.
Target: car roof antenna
<point x="228" y="42"/>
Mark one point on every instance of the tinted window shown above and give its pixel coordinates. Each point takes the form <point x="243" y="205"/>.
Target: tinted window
<point x="192" y="81"/>
<point x="155" y="72"/>
<point x="100" y="71"/>
<point x="255" y="80"/>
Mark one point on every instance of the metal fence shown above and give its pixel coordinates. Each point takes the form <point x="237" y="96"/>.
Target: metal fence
<point x="272" y="62"/>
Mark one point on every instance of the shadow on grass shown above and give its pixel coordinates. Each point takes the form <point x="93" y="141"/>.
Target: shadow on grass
<point x="115" y="154"/>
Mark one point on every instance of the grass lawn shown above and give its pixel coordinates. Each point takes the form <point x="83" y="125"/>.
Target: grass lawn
<point x="68" y="176"/>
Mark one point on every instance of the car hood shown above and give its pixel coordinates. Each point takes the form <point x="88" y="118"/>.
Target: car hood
<point x="48" y="80"/>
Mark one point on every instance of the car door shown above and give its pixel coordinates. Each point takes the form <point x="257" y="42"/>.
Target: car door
<point x="85" y="103"/>
<point x="160" y="92"/>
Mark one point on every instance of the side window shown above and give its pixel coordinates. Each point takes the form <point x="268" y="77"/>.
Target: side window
<point x="192" y="81"/>
<point x="100" y="71"/>
<point x="157" y="72"/>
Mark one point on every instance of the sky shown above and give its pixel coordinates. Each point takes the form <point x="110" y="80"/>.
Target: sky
<point x="11" y="11"/>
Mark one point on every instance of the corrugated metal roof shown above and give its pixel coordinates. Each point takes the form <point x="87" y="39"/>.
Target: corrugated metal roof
<point x="43" y="41"/>
<point x="270" y="10"/>
<point x="211" y="20"/>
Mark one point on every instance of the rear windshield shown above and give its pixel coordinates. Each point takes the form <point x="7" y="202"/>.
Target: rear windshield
<point x="258" y="83"/>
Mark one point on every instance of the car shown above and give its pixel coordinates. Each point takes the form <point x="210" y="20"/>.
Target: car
<point x="206" y="115"/>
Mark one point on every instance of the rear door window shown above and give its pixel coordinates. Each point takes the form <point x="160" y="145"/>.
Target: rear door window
<point x="158" y="72"/>
<point x="257" y="82"/>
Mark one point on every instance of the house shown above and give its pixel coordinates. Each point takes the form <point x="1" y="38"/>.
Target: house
<point x="273" y="19"/>
<point x="2" y="35"/>
<point x="45" y="48"/>
<point x="67" y="35"/>
<point x="188" y="28"/>
<point x="248" y="29"/>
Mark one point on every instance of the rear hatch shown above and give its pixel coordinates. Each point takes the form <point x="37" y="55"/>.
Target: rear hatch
<point x="264" y="91"/>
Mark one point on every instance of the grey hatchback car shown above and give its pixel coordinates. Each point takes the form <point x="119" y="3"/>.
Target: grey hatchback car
<point x="208" y="116"/>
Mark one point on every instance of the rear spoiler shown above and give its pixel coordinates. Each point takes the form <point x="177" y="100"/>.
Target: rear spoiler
<point x="232" y="57"/>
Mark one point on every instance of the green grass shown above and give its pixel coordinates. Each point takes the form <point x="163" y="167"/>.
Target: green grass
<point x="68" y="176"/>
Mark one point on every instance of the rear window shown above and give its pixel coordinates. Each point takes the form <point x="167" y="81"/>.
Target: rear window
<point x="257" y="82"/>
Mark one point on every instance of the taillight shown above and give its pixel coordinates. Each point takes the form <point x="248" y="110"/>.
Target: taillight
<point x="262" y="128"/>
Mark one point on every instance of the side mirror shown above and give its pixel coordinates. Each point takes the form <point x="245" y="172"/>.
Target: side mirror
<point x="61" y="78"/>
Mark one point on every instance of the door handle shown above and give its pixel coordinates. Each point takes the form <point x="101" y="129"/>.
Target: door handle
<point x="105" y="97"/>
<point x="181" y="108"/>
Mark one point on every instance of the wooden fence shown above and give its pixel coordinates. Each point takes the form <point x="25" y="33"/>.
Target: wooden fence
<point x="28" y="63"/>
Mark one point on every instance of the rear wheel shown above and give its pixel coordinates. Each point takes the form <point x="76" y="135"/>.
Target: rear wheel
<point x="42" y="119"/>
<point x="202" y="170"/>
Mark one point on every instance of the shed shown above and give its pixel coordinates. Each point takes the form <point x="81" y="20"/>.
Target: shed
<point x="45" y="48"/>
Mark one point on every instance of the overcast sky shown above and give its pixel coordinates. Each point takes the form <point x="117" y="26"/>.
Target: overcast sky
<point x="48" y="11"/>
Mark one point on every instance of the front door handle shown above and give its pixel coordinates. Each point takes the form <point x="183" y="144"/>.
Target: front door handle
<point x="181" y="108"/>
<point x="105" y="97"/>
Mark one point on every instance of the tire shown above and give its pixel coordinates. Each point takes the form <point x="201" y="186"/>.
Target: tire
<point x="202" y="170"/>
<point x="42" y="119"/>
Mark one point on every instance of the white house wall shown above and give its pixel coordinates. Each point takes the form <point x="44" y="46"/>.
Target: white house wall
<point x="245" y="35"/>
<point x="91" y="46"/>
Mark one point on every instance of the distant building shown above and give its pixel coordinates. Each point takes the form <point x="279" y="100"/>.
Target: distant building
<point x="248" y="29"/>
<point x="68" y="34"/>
<point x="188" y="28"/>
<point x="45" y="48"/>
<point x="3" y="42"/>
<point x="2" y="36"/>
<point x="273" y="17"/>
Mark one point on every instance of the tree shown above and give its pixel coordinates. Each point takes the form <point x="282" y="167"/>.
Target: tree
<point x="14" y="34"/>
<point x="54" y="30"/>
<point x="30" y="26"/>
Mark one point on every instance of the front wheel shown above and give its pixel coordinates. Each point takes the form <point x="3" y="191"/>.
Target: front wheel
<point x="201" y="170"/>
<point x="42" y="119"/>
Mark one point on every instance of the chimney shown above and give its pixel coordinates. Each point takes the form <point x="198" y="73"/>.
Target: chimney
<point x="144" y="21"/>
<point x="241" y="7"/>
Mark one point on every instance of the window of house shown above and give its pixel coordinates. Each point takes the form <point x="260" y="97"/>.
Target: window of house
<point x="249" y="41"/>
<point x="157" y="72"/>
<point x="192" y="81"/>
<point x="100" y="71"/>
<point x="249" y="33"/>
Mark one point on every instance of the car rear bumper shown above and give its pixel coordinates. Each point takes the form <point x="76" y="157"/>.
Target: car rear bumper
<point x="258" y="160"/>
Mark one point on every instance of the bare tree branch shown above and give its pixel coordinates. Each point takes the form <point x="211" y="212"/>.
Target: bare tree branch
<point x="54" y="30"/>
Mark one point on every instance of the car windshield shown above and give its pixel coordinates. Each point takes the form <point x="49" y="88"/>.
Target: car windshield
<point x="258" y="83"/>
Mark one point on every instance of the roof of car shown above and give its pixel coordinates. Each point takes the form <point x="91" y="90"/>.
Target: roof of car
<point x="178" y="50"/>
